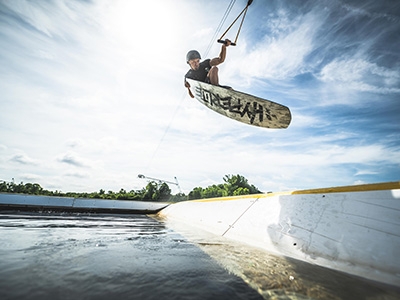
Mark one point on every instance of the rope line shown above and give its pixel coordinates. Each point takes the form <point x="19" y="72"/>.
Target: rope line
<point x="221" y="23"/>
<point x="231" y="226"/>
<point x="167" y="129"/>
<point x="241" y="23"/>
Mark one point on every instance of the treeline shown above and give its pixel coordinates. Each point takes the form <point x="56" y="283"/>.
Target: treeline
<point x="233" y="185"/>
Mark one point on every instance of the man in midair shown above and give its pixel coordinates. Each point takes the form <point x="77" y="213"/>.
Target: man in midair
<point x="207" y="70"/>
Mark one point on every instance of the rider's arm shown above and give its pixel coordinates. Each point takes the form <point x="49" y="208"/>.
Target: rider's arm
<point x="221" y="58"/>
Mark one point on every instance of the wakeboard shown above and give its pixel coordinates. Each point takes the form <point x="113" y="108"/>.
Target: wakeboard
<point x="241" y="107"/>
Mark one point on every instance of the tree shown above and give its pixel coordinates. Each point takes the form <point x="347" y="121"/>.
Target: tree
<point x="234" y="185"/>
<point x="151" y="189"/>
<point x="3" y="187"/>
<point x="215" y="191"/>
<point x="164" y="192"/>
<point x="240" y="183"/>
<point x="241" y="191"/>
<point x="196" y="193"/>
<point x="178" y="197"/>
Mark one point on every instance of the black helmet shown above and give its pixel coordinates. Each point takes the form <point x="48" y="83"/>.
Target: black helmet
<point x="192" y="54"/>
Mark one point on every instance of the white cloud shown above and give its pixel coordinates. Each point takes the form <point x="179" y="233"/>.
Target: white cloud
<point x="23" y="159"/>
<point x="73" y="159"/>
<point x="282" y="55"/>
<point x="76" y="174"/>
<point x="371" y="15"/>
<point x="204" y="33"/>
<point x="30" y="177"/>
<point x="365" y="172"/>
<point x="361" y="75"/>
<point x="357" y="154"/>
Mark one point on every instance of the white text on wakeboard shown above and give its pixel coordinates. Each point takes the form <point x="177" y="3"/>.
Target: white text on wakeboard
<point x="235" y="105"/>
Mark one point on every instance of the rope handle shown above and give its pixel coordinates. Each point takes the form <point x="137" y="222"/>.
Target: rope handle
<point x="224" y="42"/>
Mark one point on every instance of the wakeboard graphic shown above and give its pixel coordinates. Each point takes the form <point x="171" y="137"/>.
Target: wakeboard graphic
<point x="241" y="107"/>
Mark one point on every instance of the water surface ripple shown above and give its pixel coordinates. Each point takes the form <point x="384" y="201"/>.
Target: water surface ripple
<point x="83" y="256"/>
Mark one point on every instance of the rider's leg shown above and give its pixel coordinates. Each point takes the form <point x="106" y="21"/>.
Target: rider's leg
<point x="213" y="75"/>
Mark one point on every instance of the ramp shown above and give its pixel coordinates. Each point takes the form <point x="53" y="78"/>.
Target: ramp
<point x="354" y="229"/>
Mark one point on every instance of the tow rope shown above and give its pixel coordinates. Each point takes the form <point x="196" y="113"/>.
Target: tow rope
<point x="244" y="11"/>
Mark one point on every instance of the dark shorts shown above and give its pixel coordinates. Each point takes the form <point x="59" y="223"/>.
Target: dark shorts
<point x="207" y="80"/>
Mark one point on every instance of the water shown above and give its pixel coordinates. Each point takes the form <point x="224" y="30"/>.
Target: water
<point x="83" y="256"/>
<point x="46" y="256"/>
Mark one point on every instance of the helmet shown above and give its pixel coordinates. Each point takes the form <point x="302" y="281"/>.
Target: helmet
<point x="192" y="54"/>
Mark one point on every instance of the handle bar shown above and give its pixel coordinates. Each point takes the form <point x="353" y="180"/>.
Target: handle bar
<point x="223" y="42"/>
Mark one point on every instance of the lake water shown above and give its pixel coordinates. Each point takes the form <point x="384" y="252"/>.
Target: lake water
<point x="83" y="256"/>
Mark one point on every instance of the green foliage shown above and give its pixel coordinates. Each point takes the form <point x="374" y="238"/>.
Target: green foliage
<point x="234" y="185"/>
<point x="163" y="193"/>
<point x="238" y="185"/>
<point x="215" y="191"/>
<point x="196" y="193"/>
<point x="178" y="197"/>
<point x="28" y="188"/>
<point x="241" y="191"/>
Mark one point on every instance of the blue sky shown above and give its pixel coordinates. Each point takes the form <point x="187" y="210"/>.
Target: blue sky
<point x="92" y="93"/>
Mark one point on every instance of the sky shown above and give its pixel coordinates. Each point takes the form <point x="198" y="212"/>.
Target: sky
<point x="92" y="93"/>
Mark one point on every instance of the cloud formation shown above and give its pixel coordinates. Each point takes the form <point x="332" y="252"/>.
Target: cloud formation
<point x="92" y="96"/>
<point x="73" y="159"/>
<point x="23" y="159"/>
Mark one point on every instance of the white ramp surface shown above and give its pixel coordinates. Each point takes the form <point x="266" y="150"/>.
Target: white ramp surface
<point x="354" y="229"/>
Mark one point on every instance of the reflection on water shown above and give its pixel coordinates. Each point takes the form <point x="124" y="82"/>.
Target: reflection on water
<point x="47" y="256"/>
<point x="276" y="277"/>
<point x="83" y="256"/>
